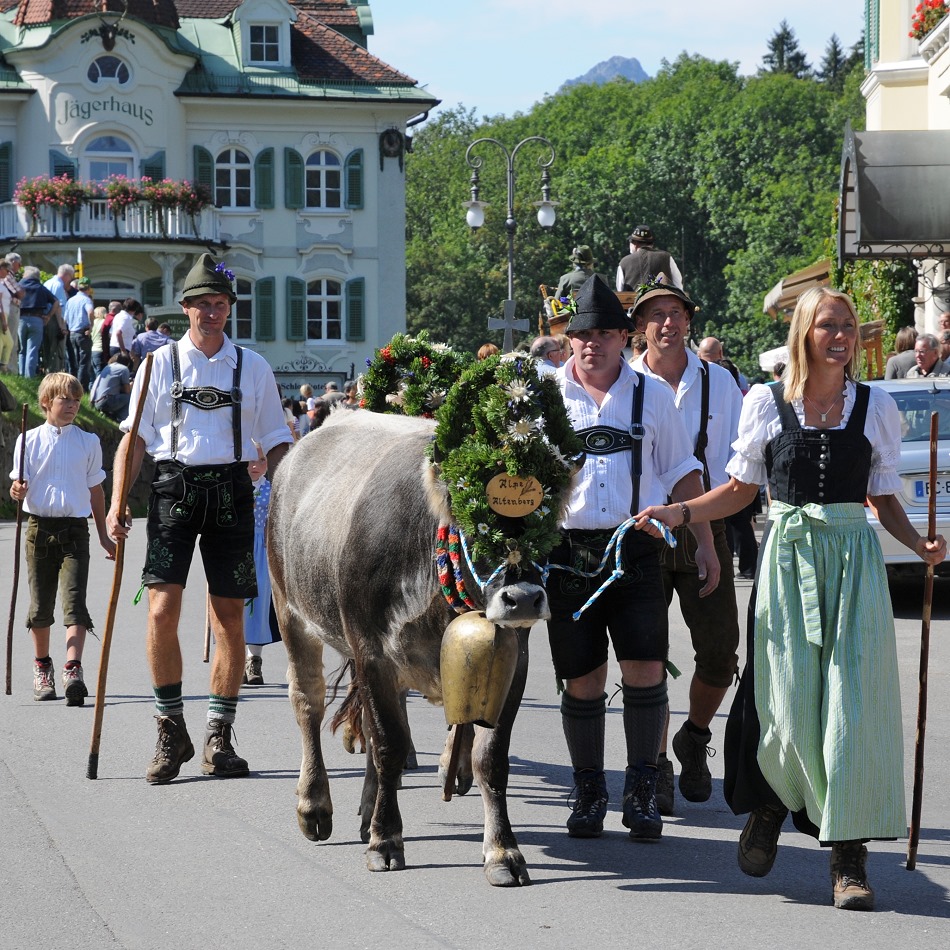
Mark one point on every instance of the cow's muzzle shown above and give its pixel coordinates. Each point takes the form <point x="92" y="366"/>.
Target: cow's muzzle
<point x="517" y="605"/>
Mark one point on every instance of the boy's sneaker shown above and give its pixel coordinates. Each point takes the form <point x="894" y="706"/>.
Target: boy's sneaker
<point x="253" y="671"/>
<point x="74" y="686"/>
<point x="44" y="681"/>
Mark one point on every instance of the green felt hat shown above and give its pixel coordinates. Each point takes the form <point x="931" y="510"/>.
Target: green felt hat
<point x="208" y="276"/>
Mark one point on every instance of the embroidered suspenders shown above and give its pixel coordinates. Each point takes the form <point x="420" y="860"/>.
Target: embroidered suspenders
<point x="206" y="397"/>
<point x="702" y="439"/>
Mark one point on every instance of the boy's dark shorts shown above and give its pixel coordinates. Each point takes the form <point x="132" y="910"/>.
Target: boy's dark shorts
<point x="208" y="505"/>
<point x="57" y="555"/>
<point x="631" y="613"/>
<point x="713" y="621"/>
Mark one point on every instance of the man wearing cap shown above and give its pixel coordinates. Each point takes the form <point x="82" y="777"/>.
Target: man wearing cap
<point x="208" y="406"/>
<point x="583" y="270"/>
<point x="709" y="403"/>
<point x="637" y="448"/>
<point x="78" y="318"/>
<point x="645" y="261"/>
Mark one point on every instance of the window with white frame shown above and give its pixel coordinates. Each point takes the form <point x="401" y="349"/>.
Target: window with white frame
<point x="232" y="179"/>
<point x="108" y="69"/>
<point x="107" y="155"/>
<point x="324" y="310"/>
<point x="264" y="44"/>
<point x="242" y="313"/>
<point x="324" y="180"/>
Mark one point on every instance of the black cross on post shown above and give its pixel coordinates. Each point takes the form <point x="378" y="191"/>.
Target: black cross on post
<point x="508" y="323"/>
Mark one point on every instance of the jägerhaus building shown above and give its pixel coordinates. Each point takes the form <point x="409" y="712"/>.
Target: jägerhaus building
<point x="135" y="134"/>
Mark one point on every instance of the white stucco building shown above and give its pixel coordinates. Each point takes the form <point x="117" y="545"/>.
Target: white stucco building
<point x="276" y="106"/>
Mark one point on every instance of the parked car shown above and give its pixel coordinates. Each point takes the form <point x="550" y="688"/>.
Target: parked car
<point x="917" y="399"/>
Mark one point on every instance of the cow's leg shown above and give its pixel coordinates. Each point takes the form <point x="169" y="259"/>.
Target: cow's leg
<point x="463" y="775"/>
<point x="412" y="760"/>
<point x="504" y="864"/>
<point x="307" y="690"/>
<point x="388" y="747"/>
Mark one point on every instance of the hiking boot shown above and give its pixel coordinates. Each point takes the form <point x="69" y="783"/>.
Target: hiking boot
<point x="849" y="876"/>
<point x="44" y="681"/>
<point x="590" y="805"/>
<point x="640" y="812"/>
<point x="253" y="675"/>
<point x="74" y="686"/>
<point x="664" y="785"/>
<point x="172" y="750"/>
<point x="758" y="843"/>
<point x="220" y="758"/>
<point x="692" y="749"/>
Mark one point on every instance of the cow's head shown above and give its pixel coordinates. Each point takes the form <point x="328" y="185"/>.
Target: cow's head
<point x="504" y="457"/>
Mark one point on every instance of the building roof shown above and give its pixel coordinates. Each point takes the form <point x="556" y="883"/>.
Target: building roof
<point x="41" y="12"/>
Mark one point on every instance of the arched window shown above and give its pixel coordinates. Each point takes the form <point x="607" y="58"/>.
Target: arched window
<point x="108" y="69"/>
<point x="108" y="155"/>
<point x="232" y="179"/>
<point x="324" y="180"/>
<point x="324" y="310"/>
<point x="242" y="313"/>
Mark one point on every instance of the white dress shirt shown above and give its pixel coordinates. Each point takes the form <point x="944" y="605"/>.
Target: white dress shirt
<point x="124" y="324"/>
<point x="603" y="490"/>
<point x="205" y="436"/>
<point x="60" y="466"/>
<point x="725" y="406"/>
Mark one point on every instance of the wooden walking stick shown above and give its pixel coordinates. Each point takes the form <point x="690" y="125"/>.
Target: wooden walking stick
<point x="16" y="556"/>
<point x="914" y="837"/>
<point x="92" y="769"/>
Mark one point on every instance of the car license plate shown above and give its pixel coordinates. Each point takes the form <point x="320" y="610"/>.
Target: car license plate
<point x="922" y="488"/>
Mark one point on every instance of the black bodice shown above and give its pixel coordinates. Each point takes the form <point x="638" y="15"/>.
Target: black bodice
<point x="819" y="466"/>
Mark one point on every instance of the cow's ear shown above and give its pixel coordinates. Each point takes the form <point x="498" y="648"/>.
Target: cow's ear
<point x="437" y="493"/>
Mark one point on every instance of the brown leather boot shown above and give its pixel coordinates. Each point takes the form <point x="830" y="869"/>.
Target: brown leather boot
<point x="172" y="750"/>
<point x="220" y="758"/>
<point x="849" y="876"/>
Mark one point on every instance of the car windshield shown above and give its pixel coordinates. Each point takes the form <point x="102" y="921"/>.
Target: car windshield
<point x="915" y="408"/>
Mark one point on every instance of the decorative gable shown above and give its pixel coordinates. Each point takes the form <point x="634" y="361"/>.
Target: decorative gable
<point x="262" y="30"/>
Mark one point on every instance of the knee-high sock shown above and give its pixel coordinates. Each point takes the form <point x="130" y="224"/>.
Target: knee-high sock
<point x="584" y="721"/>
<point x="644" y="718"/>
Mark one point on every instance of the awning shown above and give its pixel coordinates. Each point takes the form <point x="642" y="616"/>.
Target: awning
<point x="895" y="195"/>
<point x="781" y="299"/>
<point x="769" y="358"/>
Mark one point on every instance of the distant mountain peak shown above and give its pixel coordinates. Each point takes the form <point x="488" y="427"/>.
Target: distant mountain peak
<point x="627" y="67"/>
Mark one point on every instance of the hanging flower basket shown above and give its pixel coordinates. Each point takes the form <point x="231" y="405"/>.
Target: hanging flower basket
<point x="926" y="16"/>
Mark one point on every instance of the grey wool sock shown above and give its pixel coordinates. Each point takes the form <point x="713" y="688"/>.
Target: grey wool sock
<point x="584" y="721"/>
<point x="644" y="718"/>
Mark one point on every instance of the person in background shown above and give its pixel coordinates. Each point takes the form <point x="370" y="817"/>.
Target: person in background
<point x="903" y="358"/>
<point x="645" y="262"/>
<point x="122" y="331"/>
<point x="638" y="345"/>
<point x="61" y="488"/>
<point x="583" y="260"/>
<point x="95" y="340"/>
<point x="944" y="338"/>
<point x="486" y="350"/>
<point x="815" y="727"/>
<point x="111" y="388"/>
<point x="351" y="392"/>
<point x="149" y="340"/>
<point x="11" y="294"/>
<point x="78" y="320"/>
<point x="7" y="345"/>
<point x="37" y="308"/>
<point x="547" y="351"/>
<point x="56" y="336"/>
<point x="778" y="370"/>
<point x="927" y="358"/>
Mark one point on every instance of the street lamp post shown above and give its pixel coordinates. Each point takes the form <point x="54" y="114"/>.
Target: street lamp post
<point x="475" y="218"/>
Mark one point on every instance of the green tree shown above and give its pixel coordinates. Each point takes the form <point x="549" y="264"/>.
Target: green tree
<point x="784" y="55"/>
<point x="834" y="64"/>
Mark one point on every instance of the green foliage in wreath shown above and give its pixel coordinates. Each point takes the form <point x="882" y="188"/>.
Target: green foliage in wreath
<point x="411" y="376"/>
<point x="503" y="416"/>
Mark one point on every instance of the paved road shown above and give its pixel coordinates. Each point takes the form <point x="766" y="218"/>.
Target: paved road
<point x="206" y="863"/>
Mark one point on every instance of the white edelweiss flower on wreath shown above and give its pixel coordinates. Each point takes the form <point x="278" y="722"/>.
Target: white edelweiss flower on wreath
<point x="441" y="348"/>
<point x="558" y="454"/>
<point x="482" y="528"/>
<point x="522" y="429"/>
<point x="462" y="483"/>
<point x="518" y="391"/>
<point x="394" y="399"/>
<point x="435" y="398"/>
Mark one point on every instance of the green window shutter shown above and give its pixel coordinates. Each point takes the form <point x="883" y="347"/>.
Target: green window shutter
<point x="152" y="292"/>
<point x="293" y="179"/>
<point x="265" y="309"/>
<point x="296" y="309"/>
<point x="353" y="176"/>
<point x="153" y="167"/>
<point x="204" y="168"/>
<point x="60" y="164"/>
<point x="264" y="178"/>
<point x="356" y="309"/>
<point x="6" y="171"/>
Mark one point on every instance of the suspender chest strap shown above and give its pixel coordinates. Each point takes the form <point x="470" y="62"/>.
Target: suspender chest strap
<point x="206" y="397"/>
<point x="702" y="438"/>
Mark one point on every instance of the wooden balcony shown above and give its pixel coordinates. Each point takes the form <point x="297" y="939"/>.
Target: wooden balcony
<point x="94" y="220"/>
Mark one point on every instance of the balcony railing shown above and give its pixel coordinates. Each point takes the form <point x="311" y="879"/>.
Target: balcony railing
<point x="936" y="41"/>
<point x="95" y="220"/>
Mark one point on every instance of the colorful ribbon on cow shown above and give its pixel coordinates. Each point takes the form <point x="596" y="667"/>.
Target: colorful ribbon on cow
<point x="447" y="548"/>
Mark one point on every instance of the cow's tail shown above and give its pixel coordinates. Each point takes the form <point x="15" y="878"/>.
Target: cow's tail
<point x="350" y="713"/>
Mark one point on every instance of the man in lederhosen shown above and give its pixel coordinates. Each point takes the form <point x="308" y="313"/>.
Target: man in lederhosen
<point x="208" y="402"/>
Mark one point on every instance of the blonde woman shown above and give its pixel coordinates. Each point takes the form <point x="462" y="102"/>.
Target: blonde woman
<point x="816" y="725"/>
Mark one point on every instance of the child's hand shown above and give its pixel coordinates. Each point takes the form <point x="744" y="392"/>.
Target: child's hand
<point x="108" y="545"/>
<point x="18" y="490"/>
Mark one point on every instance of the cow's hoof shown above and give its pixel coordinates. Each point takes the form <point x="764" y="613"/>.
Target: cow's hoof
<point x="507" y="869"/>
<point x="316" y="824"/>
<point x="386" y="859"/>
<point x="463" y="781"/>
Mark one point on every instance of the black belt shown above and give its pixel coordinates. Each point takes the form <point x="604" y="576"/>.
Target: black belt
<point x="32" y="313"/>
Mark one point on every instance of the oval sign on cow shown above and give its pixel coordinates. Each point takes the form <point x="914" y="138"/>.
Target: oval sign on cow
<point x="514" y="497"/>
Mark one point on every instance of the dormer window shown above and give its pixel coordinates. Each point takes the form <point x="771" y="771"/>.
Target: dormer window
<point x="106" y="69"/>
<point x="264" y="46"/>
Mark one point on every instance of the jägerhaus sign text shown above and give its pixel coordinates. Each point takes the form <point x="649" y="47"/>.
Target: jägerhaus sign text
<point x="85" y="109"/>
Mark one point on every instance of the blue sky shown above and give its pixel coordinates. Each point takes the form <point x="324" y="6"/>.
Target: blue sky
<point x="502" y="56"/>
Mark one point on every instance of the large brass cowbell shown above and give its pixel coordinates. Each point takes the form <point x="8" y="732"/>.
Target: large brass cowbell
<point x="478" y="663"/>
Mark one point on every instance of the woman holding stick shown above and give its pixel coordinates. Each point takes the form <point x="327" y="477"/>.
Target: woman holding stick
<point x="815" y="728"/>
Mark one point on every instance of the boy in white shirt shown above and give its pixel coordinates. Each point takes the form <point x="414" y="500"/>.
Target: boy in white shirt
<point x="61" y="487"/>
